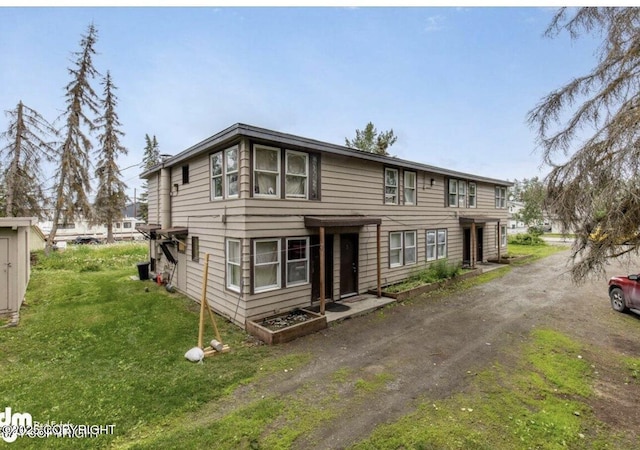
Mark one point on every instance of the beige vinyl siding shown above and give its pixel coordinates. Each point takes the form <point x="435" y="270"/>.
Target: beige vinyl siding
<point x="153" y="199"/>
<point x="349" y="186"/>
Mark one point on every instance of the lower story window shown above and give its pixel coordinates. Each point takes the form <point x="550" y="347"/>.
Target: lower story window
<point x="266" y="264"/>
<point x="297" y="261"/>
<point x="233" y="264"/>
<point x="402" y="248"/>
<point x="436" y="244"/>
<point x="503" y="235"/>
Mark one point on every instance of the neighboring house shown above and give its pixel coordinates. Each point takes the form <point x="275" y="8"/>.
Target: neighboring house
<point x="123" y="230"/>
<point x="273" y="210"/>
<point x="515" y="226"/>
<point x="15" y="261"/>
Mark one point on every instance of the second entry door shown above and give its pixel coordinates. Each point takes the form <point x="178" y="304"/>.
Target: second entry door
<point x="348" y="264"/>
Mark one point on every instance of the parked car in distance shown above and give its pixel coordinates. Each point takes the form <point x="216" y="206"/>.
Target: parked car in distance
<point x="86" y="240"/>
<point x="624" y="293"/>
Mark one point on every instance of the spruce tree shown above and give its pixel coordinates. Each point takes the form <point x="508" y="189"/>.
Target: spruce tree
<point x="29" y="144"/>
<point x="73" y="186"/>
<point x="369" y="140"/>
<point x="110" y="197"/>
<point x="151" y="158"/>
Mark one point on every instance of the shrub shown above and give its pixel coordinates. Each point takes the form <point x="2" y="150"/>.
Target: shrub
<point x="526" y="239"/>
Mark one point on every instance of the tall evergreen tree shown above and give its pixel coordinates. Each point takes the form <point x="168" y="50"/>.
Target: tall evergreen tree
<point x="588" y="133"/>
<point x="369" y="140"/>
<point x="29" y="143"/>
<point x="74" y="185"/>
<point x="110" y="197"/>
<point x="151" y="158"/>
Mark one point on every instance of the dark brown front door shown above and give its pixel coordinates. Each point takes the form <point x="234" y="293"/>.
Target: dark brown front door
<point x="479" y="240"/>
<point x="348" y="264"/>
<point x="315" y="267"/>
<point x="466" y="247"/>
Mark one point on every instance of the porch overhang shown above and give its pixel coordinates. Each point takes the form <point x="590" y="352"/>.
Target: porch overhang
<point x="340" y="221"/>
<point x="479" y="219"/>
<point x="173" y="232"/>
<point x="324" y="222"/>
<point x="148" y="231"/>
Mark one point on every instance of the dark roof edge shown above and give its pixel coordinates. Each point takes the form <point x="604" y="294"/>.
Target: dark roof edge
<point x="240" y="129"/>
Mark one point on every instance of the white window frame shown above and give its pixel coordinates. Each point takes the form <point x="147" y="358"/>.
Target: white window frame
<point x="396" y="249"/>
<point x="277" y="263"/>
<point x="462" y="194"/>
<point x="411" y="188"/>
<point x="304" y="196"/>
<point x="503" y="235"/>
<point x="394" y="196"/>
<point x="501" y="197"/>
<point x="453" y="193"/>
<point x="473" y="198"/>
<point x="441" y="254"/>
<point x="414" y="247"/>
<point x="256" y="149"/>
<point x="228" y="173"/>
<point x="231" y="264"/>
<point x="434" y="245"/>
<point x="298" y="261"/>
<point x="214" y="176"/>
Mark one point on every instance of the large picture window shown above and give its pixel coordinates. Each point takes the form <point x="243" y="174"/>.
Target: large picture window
<point x="266" y="255"/>
<point x="297" y="261"/>
<point x="266" y="171"/>
<point x="296" y="179"/>
<point x="233" y="264"/>
<point x="390" y="186"/>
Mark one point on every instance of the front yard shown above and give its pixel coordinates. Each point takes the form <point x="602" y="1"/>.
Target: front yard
<point x="96" y="348"/>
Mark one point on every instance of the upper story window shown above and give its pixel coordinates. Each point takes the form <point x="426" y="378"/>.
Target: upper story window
<point x="224" y="174"/>
<point x="390" y="186"/>
<point x="231" y="169"/>
<point x="501" y="197"/>
<point x="216" y="176"/>
<point x="410" y="184"/>
<point x="185" y="174"/>
<point x="461" y="193"/>
<point x="472" y="194"/>
<point x="266" y="171"/>
<point x="296" y="178"/>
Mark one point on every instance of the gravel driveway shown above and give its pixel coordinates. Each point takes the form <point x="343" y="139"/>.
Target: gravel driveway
<point x="429" y="346"/>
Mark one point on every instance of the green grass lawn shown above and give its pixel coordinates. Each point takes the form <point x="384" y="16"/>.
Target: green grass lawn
<point x="94" y="347"/>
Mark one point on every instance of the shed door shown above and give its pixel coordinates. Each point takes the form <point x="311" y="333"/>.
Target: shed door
<point x="4" y="274"/>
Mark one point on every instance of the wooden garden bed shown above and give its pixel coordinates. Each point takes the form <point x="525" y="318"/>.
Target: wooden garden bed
<point x="286" y="327"/>
<point x="413" y="292"/>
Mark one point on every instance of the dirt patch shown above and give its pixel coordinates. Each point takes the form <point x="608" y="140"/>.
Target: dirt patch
<point x="429" y="350"/>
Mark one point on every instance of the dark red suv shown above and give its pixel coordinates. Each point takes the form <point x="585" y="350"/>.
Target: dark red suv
<point x="624" y="293"/>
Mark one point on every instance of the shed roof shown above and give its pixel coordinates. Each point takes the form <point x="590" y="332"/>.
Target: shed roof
<point x="232" y="134"/>
<point x="14" y="222"/>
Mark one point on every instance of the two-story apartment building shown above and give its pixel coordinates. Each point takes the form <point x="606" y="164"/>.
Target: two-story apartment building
<point x="292" y="222"/>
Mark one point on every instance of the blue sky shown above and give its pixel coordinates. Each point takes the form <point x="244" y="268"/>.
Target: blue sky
<point x="455" y="84"/>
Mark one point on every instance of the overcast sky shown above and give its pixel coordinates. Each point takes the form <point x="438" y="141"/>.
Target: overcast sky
<point x="454" y="84"/>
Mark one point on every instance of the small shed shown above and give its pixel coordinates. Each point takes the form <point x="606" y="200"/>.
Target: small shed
<point x="15" y="263"/>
